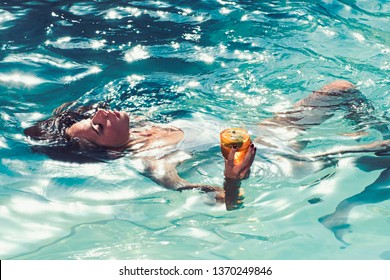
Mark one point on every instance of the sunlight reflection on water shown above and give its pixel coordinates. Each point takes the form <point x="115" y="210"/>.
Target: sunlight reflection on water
<point x="234" y="60"/>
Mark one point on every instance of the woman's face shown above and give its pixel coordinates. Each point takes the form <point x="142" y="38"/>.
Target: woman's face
<point x="106" y="128"/>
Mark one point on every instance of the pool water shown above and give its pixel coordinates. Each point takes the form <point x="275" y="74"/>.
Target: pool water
<point x="235" y="61"/>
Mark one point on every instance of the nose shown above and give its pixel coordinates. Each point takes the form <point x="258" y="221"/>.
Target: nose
<point x="103" y="112"/>
<point x="100" y="116"/>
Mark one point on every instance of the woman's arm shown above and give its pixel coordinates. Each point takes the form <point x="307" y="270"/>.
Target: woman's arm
<point x="234" y="173"/>
<point x="164" y="173"/>
<point x="239" y="171"/>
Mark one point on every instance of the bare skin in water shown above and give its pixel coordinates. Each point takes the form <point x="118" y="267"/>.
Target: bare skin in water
<point x="110" y="130"/>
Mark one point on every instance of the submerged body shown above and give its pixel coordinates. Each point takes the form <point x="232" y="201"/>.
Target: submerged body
<point x="160" y="147"/>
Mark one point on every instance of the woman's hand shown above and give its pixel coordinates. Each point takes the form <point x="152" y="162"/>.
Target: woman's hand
<point x="239" y="170"/>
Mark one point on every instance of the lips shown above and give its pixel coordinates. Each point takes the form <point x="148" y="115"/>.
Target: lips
<point x="117" y="114"/>
<point x="112" y="113"/>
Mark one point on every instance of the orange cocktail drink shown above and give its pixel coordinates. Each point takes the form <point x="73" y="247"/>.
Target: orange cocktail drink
<point x="238" y="137"/>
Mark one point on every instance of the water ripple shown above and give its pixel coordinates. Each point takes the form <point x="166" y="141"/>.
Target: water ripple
<point x="240" y="61"/>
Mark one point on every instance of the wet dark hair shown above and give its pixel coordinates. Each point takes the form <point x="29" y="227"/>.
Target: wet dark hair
<point x="49" y="136"/>
<point x="54" y="128"/>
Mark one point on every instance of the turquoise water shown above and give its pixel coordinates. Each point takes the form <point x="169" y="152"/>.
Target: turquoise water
<point x="236" y="61"/>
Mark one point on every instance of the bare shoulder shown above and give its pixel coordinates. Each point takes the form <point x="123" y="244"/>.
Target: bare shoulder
<point x="155" y="137"/>
<point x="167" y="135"/>
<point x="166" y="131"/>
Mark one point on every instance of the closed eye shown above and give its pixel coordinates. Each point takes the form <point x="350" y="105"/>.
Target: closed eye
<point x="98" y="128"/>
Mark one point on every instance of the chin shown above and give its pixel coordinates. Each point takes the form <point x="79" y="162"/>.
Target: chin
<point x="125" y="117"/>
<point x="124" y="114"/>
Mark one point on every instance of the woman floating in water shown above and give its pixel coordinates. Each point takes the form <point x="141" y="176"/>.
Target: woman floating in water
<point x="86" y="134"/>
<point x="96" y="133"/>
